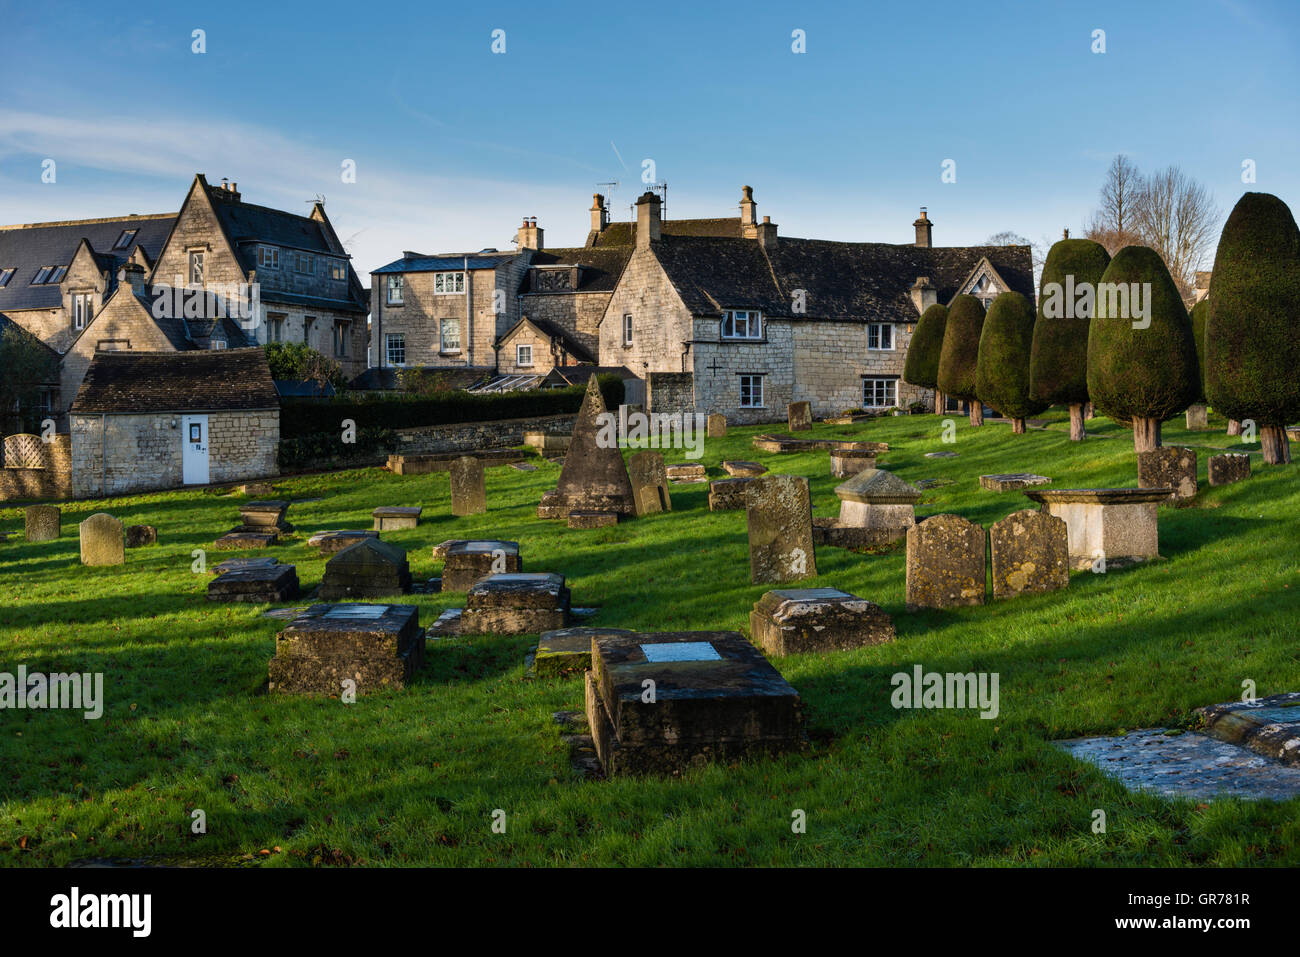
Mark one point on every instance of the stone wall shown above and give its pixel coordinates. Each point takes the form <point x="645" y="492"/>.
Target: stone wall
<point x="669" y="392"/>
<point x="124" y="320"/>
<point x="144" y="451"/>
<point x="720" y="364"/>
<point x="579" y="314"/>
<point x="23" y="478"/>
<point x="473" y="436"/>
<point x="661" y="324"/>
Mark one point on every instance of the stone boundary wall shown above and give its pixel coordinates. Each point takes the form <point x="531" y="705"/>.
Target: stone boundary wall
<point x="53" y="480"/>
<point x="473" y="436"/>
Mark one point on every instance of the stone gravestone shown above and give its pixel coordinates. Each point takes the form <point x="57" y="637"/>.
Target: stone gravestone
<point x="371" y="647"/>
<point x="568" y="650"/>
<point x="649" y="483"/>
<point x="1119" y="526"/>
<point x="743" y="469"/>
<point x="369" y="569"/>
<point x="717" y="426"/>
<point x="516" y="603"/>
<point x="594" y="476"/>
<point x="880" y="503"/>
<point x="799" y="416"/>
<point x="43" y="522"/>
<point x="138" y="536"/>
<point x="334" y="541"/>
<point x="727" y="494"/>
<point x="792" y="621"/>
<point x="1228" y="468"/>
<point x="846" y="463"/>
<point x="468" y="488"/>
<point x="1012" y="481"/>
<point x="1173" y="468"/>
<point x="1197" y="418"/>
<point x="102" y="540"/>
<point x="391" y="517"/>
<point x="1031" y="553"/>
<point x="779" y="513"/>
<point x="468" y="561"/>
<point x="945" y="563"/>
<point x="686" y="473"/>
<point x="256" y="583"/>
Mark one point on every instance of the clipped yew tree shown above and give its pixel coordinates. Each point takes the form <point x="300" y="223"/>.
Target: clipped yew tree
<point x="1002" y="370"/>
<point x="1058" y="360"/>
<point x="960" y="354"/>
<point x="1252" y="334"/>
<point x="1141" y="355"/>
<point x="1196" y="412"/>
<point x="921" y="368"/>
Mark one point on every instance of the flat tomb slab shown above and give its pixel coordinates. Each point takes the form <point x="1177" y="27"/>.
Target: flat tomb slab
<point x="743" y="469"/>
<point x="467" y="561"/>
<point x="235" y="540"/>
<point x="375" y="646"/>
<point x="260" y="583"/>
<point x="715" y="697"/>
<point x="516" y="603"/>
<point x="591" y="518"/>
<point x="686" y="473"/>
<point x="788" y="621"/>
<point x="728" y="494"/>
<point x="1118" y="525"/>
<point x="1187" y="765"/>
<point x="567" y="650"/>
<point x="234" y="564"/>
<point x="1011" y="481"/>
<point x="396" y="516"/>
<point x="336" y="541"/>
<point x="1100" y="496"/>
<point x="1268" y="726"/>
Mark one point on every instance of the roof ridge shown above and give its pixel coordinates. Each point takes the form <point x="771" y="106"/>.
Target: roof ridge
<point x="130" y="217"/>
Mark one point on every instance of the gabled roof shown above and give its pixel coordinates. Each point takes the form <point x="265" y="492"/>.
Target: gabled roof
<point x="554" y="332"/>
<point x="7" y="323"/>
<point x="182" y="334"/>
<point x="28" y="248"/>
<point x="447" y="263"/>
<point x="846" y="281"/>
<point x="624" y="234"/>
<point x="601" y="267"/>
<point x="196" y="381"/>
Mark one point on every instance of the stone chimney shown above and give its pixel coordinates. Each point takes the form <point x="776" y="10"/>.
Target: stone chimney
<point x="530" y="234"/>
<point x="924" y="294"/>
<point x="748" y="209"/>
<point x="599" y="213"/>
<point x="227" y="190"/>
<point x="765" y="233"/>
<point x="923" y="230"/>
<point x="647" y="219"/>
<point x="132" y="274"/>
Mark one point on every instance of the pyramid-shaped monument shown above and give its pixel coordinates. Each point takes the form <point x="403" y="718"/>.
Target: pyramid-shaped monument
<point x="594" y="478"/>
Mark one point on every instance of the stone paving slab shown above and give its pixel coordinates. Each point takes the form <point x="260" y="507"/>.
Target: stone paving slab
<point x="1187" y="765"/>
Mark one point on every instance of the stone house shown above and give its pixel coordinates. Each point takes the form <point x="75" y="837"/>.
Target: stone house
<point x="156" y="420"/>
<point x="745" y="323"/>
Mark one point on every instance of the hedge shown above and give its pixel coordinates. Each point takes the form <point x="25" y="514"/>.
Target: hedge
<point x="961" y="348"/>
<point x="1058" y="359"/>
<point x="302" y="418"/>
<point x="1002" y="369"/>
<point x="921" y="367"/>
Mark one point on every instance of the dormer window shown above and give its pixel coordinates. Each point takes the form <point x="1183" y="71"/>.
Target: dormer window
<point x="742" y="324"/>
<point x="338" y="270"/>
<point x="305" y="263"/>
<point x="125" y="240"/>
<point x="985" y="290"/>
<point x="268" y="257"/>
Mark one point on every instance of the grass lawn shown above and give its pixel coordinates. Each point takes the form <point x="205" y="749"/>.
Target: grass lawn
<point x="414" y="777"/>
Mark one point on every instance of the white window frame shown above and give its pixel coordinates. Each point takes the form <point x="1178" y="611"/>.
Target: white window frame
<point x="880" y="330"/>
<point x="448" y="283"/>
<point x="216" y="344"/>
<point x="753" y="324"/>
<point x="197" y="258"/>
<point x="627" y="329"/>
<point x="443" y="345"/>
<point x="521" y="349"/>
<point x="342" y="332"/>
<point x="396" y="288"/>
<point x="753" y="379"/>
<point x="268" y="257"/>
<point x="82" y="303"/>
<point x="57" y="276"/>
<point x="891" y="392"/>
<point x="397" y="339"/>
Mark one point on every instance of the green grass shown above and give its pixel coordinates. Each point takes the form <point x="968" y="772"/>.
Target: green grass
<point x="413" y="777"/>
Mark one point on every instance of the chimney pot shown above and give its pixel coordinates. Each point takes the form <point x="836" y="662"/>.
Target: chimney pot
<point x="924" y="230"/>
<point x="647" y="219"/>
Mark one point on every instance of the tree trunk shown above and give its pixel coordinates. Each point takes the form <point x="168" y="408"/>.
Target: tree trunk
<point x="1017" y="426"/>
<point x="1146" y="434"/>
<point x="939" y="402"/>
<point x="976" y="411"/>
<point x="1076" y="422"/>
<point x="1234" y="427"/>
<point x="1089" y="412"/>
<point x="1277" y="447"/>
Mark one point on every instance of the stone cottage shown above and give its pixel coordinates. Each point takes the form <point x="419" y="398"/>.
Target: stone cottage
<point x="143" y="421"/>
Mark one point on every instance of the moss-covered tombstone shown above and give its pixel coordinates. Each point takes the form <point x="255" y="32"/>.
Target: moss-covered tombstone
<point x="1002" y="369"/>
<point x="921" y="368"/>
<point x="1058" y="360"/>
<point x="1141" y="355"/>
<point x="960" y="354"/>
<point x="1252" y="333"/>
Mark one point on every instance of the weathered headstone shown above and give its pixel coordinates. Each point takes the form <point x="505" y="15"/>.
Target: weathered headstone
<point x="799" y="416"/>
<point x="1170" y="467"/>
<point x="1031" y="553"/>
<point x="516" y="604"/>
<point x="793" y="621"/>
<point x="778" y="510"/>
<point x="686" y="473"/>
<point x="662" y="703"/>
<point x="260" y="489"/>
<point x="102" y="540"/>
<point x="468" y="488"/>
<point x="236" y="564"/>
<point x="879" y="502"/>
<point x="236" y="540"/>
<point x="368" y="569"/>
<point x="649" y="481"/>
<point x="717" y="426"/>
<point x="727" y="494"/>
<point x="258" y="583"/>
<point x="468" y="561"/>
<point x="849" y="462"/>
<point x="332" y="542"/>
<point x="594" y="476"/>
<point x="391" y="517"/>
<point x="42" y="522"/>
<point x="1197" y="418"/>
<point x="348" y="648"/>
<point x="547" y="441"/>
<point x="1012" y="481"/>
<point x="567" y="650"/>
<point x="265" y="516"/>
<point x="945" y="563"/>
<point x="138" y="536"/>
<point x="1116" y="525"/>
<point x="1228" y="468"/>
<point x="741" y="469"/>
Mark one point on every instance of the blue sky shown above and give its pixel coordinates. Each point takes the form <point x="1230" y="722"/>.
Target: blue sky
<point x="453" y="144"/>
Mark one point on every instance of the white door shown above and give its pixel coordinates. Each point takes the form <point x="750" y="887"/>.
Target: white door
<point x="194" y="449"/>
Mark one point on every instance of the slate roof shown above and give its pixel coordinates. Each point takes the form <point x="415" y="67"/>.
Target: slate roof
<point x="624" y="234"/>
<point x="572" y="346"/>
<point x="28" y="248"/>
<point x="446" y="263"/>
<point x="848" y="281"/>
<point x="194" y="381"/>
<point x="601" y="267"/>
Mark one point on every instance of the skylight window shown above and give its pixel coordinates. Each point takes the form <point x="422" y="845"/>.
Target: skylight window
<point x="57" y="275"/>
<point x="42" y="274"/>
<point x="5" y="276"/>
<point x="125" y="239"/>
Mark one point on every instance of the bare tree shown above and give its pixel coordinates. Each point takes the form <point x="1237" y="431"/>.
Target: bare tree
<point x="1177" y="218"/>
<point x="1114" y="223"/>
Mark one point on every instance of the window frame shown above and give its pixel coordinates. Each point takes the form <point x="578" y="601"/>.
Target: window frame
<point x="342" y="269"/>
<point x="84" y="300"/>
<point x="519" y="360"/>
<point x="268" y="257"/>
<point x="309" y="259"/>
<point x="891" y="381"/>
<point x="397" y="339"/>
<point x="753" y="325"/>
<point x="753" y="377"/>
<point x="879" y="328"/>
<point x="441" y="279"/>
<point x="125" y="239"/>
<point x="396" y="283"/>
<point x="443" y="347"/>
<point x="199" y="257"/>
<point x="342" y="332"/>
<point x="7" y="274"/>
<point x="216" y="345"/>
<point x="627" y="329"/>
